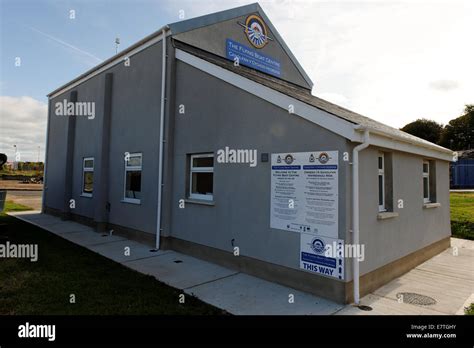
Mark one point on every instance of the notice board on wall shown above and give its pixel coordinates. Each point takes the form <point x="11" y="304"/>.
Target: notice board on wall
<point x="304" y="192"/>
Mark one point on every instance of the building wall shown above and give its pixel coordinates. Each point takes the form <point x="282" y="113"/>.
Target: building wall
<point x="219" y="115"/>
<point x="415" y="227"/>
<point x="134" y="127"/>
<point x="212" y="38"/>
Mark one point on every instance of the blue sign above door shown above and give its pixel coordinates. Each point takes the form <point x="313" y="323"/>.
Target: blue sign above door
<point x="247" y="56"/>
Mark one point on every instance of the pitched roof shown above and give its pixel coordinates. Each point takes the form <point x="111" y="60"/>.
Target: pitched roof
<point x="305" y="96"/>
<point x="183" y="26"/>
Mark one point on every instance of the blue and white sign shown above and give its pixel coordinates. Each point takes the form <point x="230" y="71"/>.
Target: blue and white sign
<point x="304" y="192"/>
<point x="322" y="255"/>
<point x="247" y="56"/>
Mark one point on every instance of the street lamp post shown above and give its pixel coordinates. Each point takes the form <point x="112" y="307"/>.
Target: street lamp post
<point x="15" y="163"/>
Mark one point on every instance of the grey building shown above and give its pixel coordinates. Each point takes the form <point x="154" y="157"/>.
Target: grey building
<point x="204" y="138"/>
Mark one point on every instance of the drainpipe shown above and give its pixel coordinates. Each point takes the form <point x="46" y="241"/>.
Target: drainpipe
<point x="355" y="207"/>
<point x="162" y="124"/>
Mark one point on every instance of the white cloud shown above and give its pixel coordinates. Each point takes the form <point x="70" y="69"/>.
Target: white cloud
<point x="377" y="58"/>
<point x="22" y="123"/>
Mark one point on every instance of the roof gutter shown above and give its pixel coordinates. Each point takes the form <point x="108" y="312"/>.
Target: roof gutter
<point x="112" y="61"/>
<point x="355" y="208"/>
<point x="395" y="137"/>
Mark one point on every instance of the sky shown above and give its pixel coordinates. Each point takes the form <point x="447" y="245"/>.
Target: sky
<point x="393" y="61"/>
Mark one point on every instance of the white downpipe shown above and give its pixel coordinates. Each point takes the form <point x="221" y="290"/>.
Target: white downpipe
<point x="162" y="124"/>
<point x="355" y="210"/>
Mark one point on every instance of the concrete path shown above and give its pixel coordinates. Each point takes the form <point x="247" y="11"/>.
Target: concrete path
<point x="230" y="290"/>
<point x="448" y="278"/>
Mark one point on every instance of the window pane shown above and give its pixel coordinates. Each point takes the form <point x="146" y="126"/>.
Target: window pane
<point x="380" y="190"/>
<point x="425" y="188"/>
<point x="425" y="168"/>
<point x="203" y="162"/>
<point x="202" y="183"/>
<point x="88" y="183"/>
<point x="133" y="184"/>
<point x="134" y="161"/>
<point x="380" y="162"/>
<point x="89" y="164"/>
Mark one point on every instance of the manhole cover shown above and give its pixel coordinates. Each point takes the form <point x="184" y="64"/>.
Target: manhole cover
<point x="415" y="299"/>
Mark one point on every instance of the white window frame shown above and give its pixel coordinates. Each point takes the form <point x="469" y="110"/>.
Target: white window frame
<point x="381" y="172"/>
<point x="200" y="170"/>
<point x="128" y="168"/>
<point x="84" y="170"/>
<point x="427" y="176"/>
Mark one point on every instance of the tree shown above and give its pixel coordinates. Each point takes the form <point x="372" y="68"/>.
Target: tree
<point x="425" y="129"/>
<point x="458" y="134"/>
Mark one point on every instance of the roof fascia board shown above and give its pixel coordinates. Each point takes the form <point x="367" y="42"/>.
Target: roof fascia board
<point x="394" y="144"/>
<point x="198" y="22"/>
<point x="286" y="48"/>
<point x="312" y="114"/>
<point x="112" y="62"/>
<point x="203" y="21"/>
<point x="335" y="124"/>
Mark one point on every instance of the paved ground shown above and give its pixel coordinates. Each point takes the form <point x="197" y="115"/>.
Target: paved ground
<point x="448" y="277"/>
<point x="29" y="198"/>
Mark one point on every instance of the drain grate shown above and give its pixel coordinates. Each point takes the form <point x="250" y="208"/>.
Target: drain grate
<point x="364" y="308"/>
<point x="415" y="299"/>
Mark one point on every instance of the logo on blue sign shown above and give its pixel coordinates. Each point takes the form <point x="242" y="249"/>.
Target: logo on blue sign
<point x="318" y="246"/>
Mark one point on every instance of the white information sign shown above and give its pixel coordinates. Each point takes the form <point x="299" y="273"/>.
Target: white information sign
<point x="304" y="192"/>
<point x="322" y="255"/>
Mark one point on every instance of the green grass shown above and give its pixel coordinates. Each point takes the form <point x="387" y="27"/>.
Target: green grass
<point x="462" y="214"/>
<point x="12" y="206"/>
<point x="21" y="172"/>
<point x="469" y="310"/>
<point x="100" y="285"/>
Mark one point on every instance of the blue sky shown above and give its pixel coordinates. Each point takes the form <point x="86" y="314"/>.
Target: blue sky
<point x="394" y="61"/>
<point x="29" y="29"/>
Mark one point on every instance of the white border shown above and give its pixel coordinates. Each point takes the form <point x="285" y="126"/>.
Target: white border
<point x="200" y="170"/>
<point x="88" y="169"/>
<point x="131" y="168"/>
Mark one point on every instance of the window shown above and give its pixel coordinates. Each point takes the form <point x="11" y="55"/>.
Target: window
<point x="381" y="181"/>
<point x="133" y="178"/>
<point x="201" y="177"/>
<point x="87" y="176"/>
<point x="429" y="184"/>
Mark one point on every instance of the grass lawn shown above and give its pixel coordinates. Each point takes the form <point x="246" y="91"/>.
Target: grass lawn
<point x="100" y="285"/>
<point x="12" y="206"/>
<point x="462" y="214"/>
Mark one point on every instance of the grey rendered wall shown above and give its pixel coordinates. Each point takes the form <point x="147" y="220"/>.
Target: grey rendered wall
<point x="212" y="38"/>
<point x="135" y="128"/>
<point x="415" y="227"/>
<point x="56" y="158"/>
<point x="136" y="93"/>
<point x="219" y="115"/>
